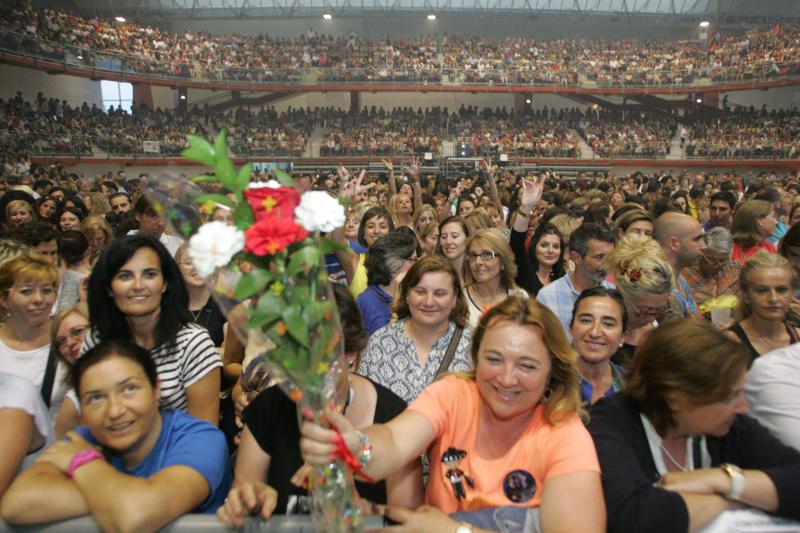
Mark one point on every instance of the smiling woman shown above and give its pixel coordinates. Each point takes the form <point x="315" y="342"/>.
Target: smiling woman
<point x="130" y="485"/>
<point x="506" y="434"/>
<point x="136" y="293"/>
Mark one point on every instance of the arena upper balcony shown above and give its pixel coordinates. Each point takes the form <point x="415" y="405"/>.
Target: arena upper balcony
<point x="57" y="58"/>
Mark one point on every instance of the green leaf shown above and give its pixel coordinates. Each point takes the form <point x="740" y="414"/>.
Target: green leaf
<point x="225" y="172"/>
<point x="252" y="282"/>
<point x="328" y="246"/>
<point x="296" y="325"/>
<point x="243" y="178"/>
<point x="269" y="302"/>
<point x="221" y="145"/>
<point x="284" y="178"/>
<point x="262" y="320"/>
<point x="200" y="150"/>
<point x="243" y="216"/>
<point x="345" y="201"/>
<point x="205" y="178"/>
<point x="303" y="259"/>
<point x="214" y="198"/>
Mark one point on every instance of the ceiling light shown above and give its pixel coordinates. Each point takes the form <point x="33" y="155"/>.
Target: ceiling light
<point x="183" y="97"/>
<point x="80" y="57"/>
<point x="119" y="19"/>
<point x="527" y="100"/>
<point x="431" y="16"/>
<point x="699" y="100"/>
<point x="327" y="16"/>
<point x="705" y="24"/>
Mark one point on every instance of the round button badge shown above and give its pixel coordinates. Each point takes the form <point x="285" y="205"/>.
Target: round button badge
<point x="519" y="486"/>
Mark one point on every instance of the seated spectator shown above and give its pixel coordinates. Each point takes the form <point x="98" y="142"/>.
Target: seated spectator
<point x="676" y="447"/>
<point x="644" y="278"/>
<point x="388" y="260"/>
<point x="268" y="458"/>
<point x="543" y="262"/>
<point x="151" y="223"/>
<point x="753" y="222"/>
<point x="771" y="392"/>
<point x="28" y="287"/>
<point x="430" y="336"/>
<point x="599" y="323"/>
<point x="766" y="292"/>
<point x="26" y="427"/>
<point x="136" y="294"/>
<point x="489" y="276"/>
<point x="589" y="245"/>
<point x="635" y="221"/>
<point x="132" y="486"/>
<point x="715" y="274"/>
<point x="540" y="454"/>
<point x="39" y="237"/>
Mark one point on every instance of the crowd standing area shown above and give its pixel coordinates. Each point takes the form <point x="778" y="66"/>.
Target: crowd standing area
<point x="59" y="35"/>
<point x="623" y="341"/>
<point x="51" y="126"/>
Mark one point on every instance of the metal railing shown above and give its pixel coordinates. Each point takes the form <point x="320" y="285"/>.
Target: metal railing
<point x="577" y="76"/>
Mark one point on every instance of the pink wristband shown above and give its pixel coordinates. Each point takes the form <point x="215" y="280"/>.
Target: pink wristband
<point x="81" y="458"/>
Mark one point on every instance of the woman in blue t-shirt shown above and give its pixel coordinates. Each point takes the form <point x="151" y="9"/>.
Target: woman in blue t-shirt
<point x="124" y="466"/>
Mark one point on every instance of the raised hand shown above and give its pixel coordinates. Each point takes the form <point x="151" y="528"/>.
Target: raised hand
<point x="531" y="192"/>
<point x="388" y="164"/>
<point x="413" y="168"/>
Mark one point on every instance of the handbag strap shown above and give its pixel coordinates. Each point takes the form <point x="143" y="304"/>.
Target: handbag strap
<point x="451" y="351"/>
<point x="49" y="377"/>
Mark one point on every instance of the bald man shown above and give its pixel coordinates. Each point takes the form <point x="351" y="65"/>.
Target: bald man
<point x="682" y="238"/>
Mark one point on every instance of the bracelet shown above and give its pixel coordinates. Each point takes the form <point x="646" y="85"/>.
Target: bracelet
<point x="365" y="453"/>
<point x="523" y="213"/>
<point x="81" y="458"/>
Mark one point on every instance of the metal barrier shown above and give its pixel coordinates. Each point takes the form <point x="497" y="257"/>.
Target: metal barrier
<point x="190" y="524"/>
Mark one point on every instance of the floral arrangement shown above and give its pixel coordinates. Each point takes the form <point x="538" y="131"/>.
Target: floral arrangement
<point x="275" y="245"/>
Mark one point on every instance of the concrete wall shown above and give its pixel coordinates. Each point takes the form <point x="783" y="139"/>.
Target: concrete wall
<point x="778" y="98"/>
<point x="74" y="90"/>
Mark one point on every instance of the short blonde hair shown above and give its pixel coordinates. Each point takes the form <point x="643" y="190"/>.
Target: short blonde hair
<point x="493" y="239"/>
<point x="639" y="267"/>
<point x="13" y="204"/>
<point x="426" y="208"/>
<point x="27" y="267"/>
<point x="478" y="219"/>
<point x="565" y="224"/>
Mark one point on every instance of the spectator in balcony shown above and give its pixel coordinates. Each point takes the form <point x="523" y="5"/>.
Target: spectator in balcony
<point x="753" y="223"/>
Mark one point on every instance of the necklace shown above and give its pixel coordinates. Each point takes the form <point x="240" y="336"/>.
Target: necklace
<point x="196" y="314"/>
<point x="672" y="459"/>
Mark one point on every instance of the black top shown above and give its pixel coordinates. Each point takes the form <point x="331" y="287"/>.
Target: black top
<point x="629" y="471"/>
<point x="526" y="276"/>
<point x="272" y="419"/>
<point x="739" y="331"/>
<point x="211" y="318"/>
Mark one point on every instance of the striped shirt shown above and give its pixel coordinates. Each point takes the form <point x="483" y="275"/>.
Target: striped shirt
<point x="180" y="363"/>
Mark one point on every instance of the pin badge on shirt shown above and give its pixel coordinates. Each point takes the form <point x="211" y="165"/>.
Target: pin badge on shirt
<point x="519" y="486"/>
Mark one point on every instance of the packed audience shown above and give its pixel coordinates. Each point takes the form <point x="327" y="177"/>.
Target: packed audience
<point x="52" y="126"/>
<point x="59" y="35"/>
<point x="484" y="316"/>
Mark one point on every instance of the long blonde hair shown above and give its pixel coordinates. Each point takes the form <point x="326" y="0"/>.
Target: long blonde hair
<point x="762" y="259"/>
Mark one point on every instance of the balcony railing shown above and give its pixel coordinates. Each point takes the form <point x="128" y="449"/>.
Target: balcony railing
<point x="532" y="76"/>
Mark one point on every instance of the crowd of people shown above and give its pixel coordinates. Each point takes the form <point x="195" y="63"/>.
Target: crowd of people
<point x="537" y="339"/>
<point x="52" y="126"/>
<point x="311" y="57"/>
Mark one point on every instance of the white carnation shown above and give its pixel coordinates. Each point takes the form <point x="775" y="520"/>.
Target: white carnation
<point x="318" y="211"/>
<point x="272" y="184"/>
<point x="213" y="246"/>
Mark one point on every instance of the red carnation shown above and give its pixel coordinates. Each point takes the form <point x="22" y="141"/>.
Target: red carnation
<point x="272" y="234"/>
<point x="268" y="202"/>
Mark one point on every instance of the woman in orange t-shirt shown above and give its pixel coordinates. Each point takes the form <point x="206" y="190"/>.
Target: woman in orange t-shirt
<point x="507" y="434"/>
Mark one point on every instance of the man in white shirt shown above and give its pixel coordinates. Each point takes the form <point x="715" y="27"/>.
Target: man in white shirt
<point x="153" y="224"/>
<point x="773" y="393"/>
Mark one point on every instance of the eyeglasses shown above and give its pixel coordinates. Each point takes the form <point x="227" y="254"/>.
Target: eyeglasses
<point x="74" y="333"/>
<point x="486" y="255"/>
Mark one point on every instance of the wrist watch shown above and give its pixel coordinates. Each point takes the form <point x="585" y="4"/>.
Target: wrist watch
<point x="464" y="527"/>
<point x="737" y="481"/>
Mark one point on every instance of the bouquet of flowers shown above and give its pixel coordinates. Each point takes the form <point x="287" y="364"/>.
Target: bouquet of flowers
<point x="276" y="248"/>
